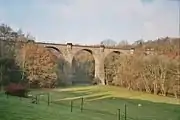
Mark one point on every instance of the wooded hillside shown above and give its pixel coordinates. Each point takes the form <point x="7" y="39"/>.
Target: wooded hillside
<point x="154" y="67"/>
<point x="157" y="72"/>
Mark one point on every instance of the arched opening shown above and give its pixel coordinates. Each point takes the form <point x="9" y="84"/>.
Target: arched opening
<point x="54" y="50"/>
<point x="83" y="67"/>
<point x="111" y="63"/>
<point x="62" y="65"/>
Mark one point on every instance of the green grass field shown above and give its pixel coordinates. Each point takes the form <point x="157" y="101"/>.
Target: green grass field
<point x="100" y="103"/>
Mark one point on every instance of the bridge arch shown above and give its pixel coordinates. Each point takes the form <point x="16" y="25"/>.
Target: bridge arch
<point x="84" y="49"/>
<point x="110" y="63"/>
<point x="83" y="67"/>
<point x="56" y="52"/>
<point x="113" y="52"/>
<point x="53" y="48"/>
<point x="63" y="66"/>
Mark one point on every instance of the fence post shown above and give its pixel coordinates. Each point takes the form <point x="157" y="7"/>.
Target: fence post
<point x="71" y="105"/>
<point x="125" y="112"/>
<point x="119" y="114"/>
<point x="82" y="103"/>
<point x="36" y="99"/>
<point x="7" y="96"/>
<point x="48" y="99"/>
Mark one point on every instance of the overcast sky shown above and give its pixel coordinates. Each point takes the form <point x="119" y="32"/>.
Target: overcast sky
<point x="91" y="21"/>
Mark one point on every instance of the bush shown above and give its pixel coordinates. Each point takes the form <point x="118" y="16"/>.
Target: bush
<point x="14" y="89"/>
<point x="96" y="81"/>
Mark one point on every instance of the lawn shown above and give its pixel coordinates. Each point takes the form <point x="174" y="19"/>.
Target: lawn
<point x="100" y="103"/>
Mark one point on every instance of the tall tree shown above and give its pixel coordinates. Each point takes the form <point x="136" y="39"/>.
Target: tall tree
<point x="5" y="31"/>
<point x="38" y="64"/>
<point x="108" y="42"/>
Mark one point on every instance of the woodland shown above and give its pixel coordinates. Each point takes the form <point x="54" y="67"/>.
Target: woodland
<point x="23" y="61"/>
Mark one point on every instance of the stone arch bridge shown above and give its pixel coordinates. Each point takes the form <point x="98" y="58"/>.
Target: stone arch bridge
<point x="68" y="51"/>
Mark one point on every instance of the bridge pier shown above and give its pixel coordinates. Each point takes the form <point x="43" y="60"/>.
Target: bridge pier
<point x="99" y="71"/>
<point x="69" y="69"/>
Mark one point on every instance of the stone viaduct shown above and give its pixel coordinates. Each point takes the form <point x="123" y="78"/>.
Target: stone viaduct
<point x="68" y="51"/>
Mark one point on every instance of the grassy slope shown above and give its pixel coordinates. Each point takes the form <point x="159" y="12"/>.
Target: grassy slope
<point x="101" y="103"/>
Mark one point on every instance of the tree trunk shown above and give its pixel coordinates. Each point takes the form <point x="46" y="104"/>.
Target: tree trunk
<point x="155" y="88"/>
<point x="175" y="94"/>
<point x="1" y="70"/>
<point x="163" y="90"/>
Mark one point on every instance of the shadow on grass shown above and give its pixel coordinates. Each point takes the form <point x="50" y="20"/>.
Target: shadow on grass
<point x="139" y="109"/>
<point x="101" y="102"/>
<point x="136" y="109"/>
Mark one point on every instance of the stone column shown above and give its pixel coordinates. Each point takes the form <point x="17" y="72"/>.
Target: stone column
<point x="132" y="51"/>
<point x="69" y="63"/>
<point x="69" y="72"/>
<point x="99" y="66"/>
<point x="99" y="71"/>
